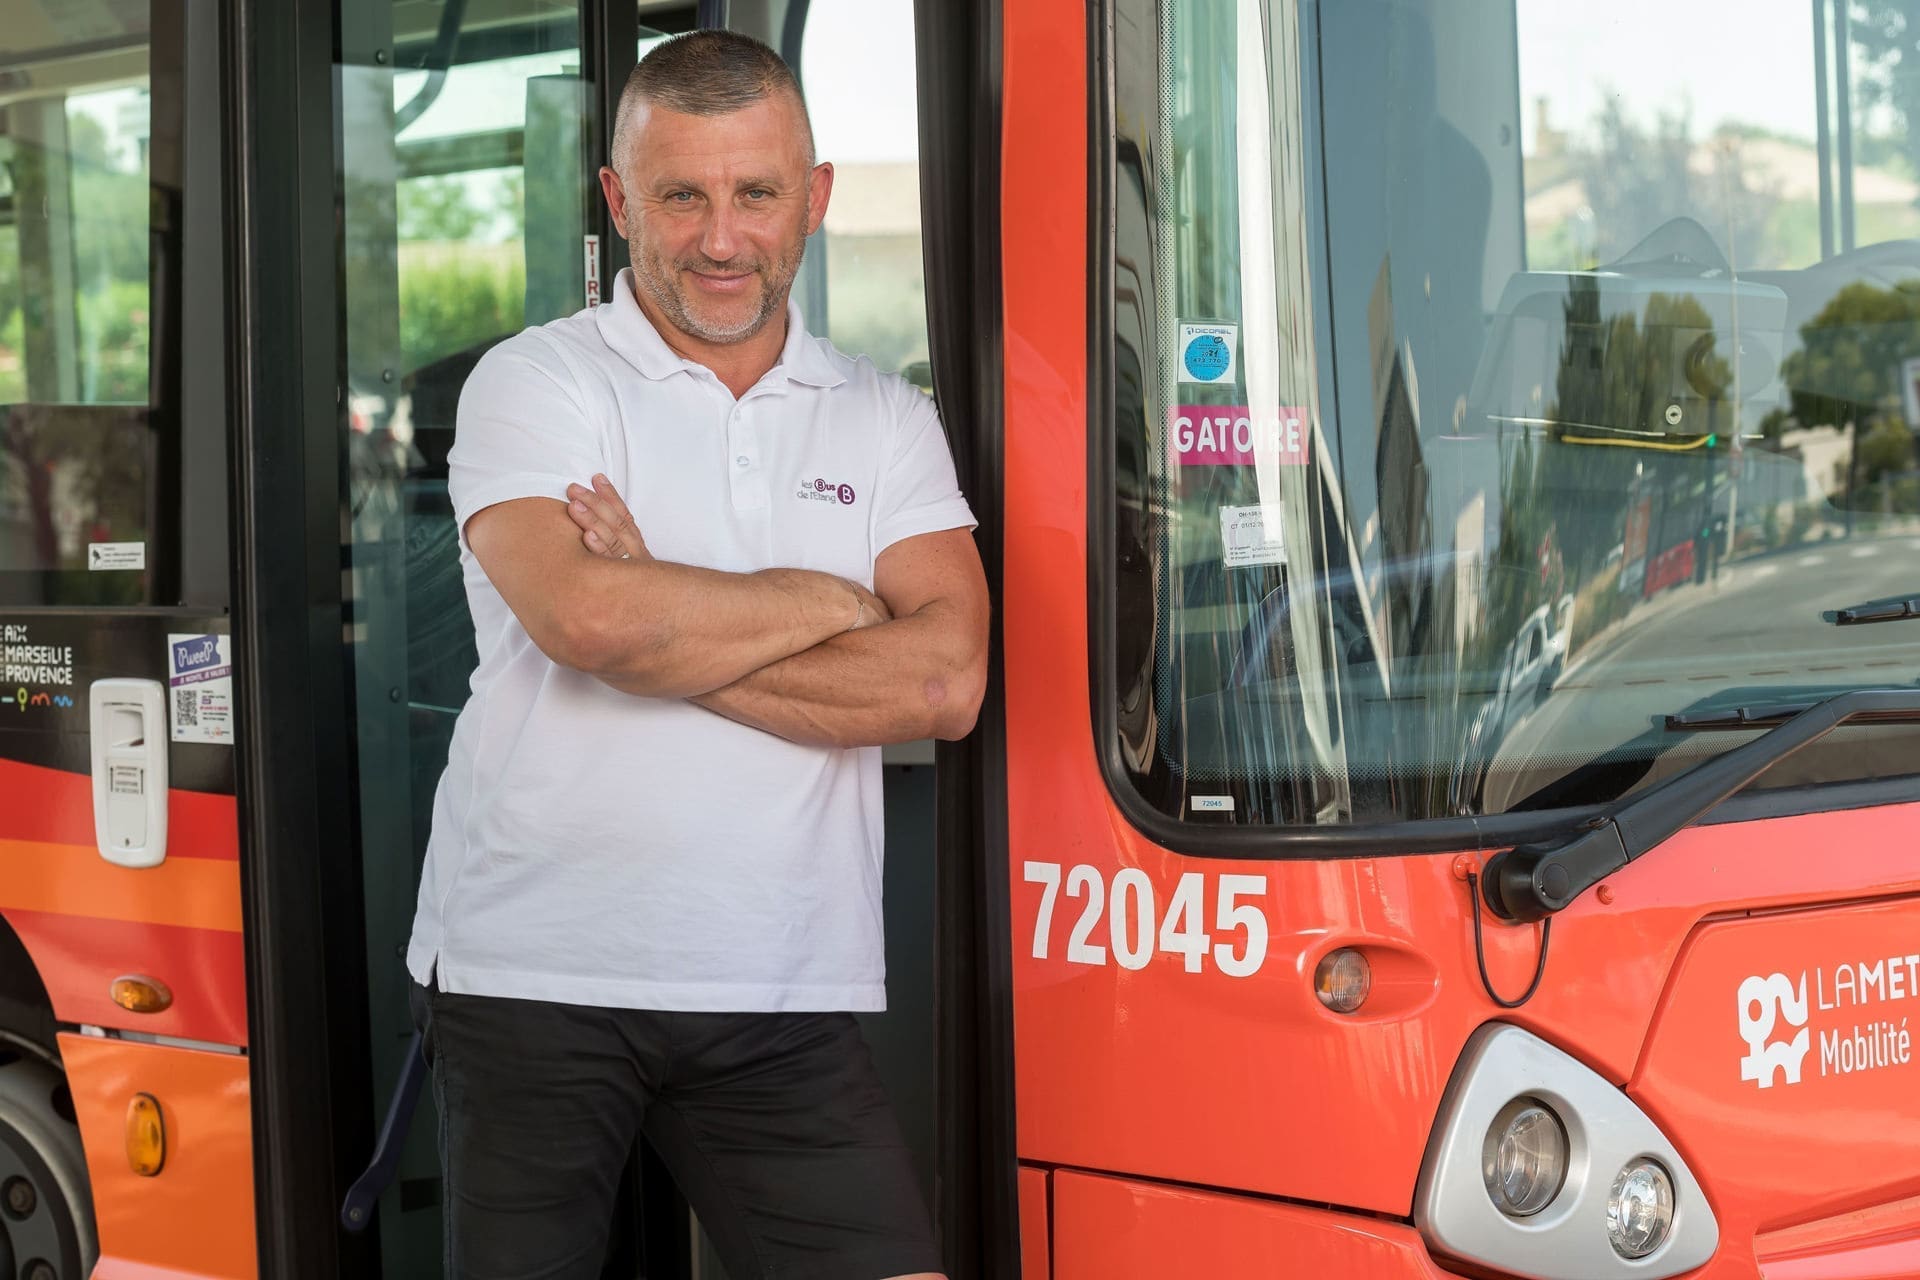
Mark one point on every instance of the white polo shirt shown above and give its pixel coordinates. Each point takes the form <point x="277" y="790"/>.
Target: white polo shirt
<point x="596" y="848"/>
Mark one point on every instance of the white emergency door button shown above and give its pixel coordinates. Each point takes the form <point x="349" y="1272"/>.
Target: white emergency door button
<point x="127" y="727"/>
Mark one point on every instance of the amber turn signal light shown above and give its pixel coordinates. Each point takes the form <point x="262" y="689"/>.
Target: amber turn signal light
<point x="146" y="1135"/>
<point x="141" y="995"/>
<point x="1343" y="979"/>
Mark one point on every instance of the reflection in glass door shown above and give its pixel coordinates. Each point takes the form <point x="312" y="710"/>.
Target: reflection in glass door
<point x="466" y="146"/>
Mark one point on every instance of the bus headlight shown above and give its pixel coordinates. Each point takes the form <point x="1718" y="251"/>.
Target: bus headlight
<point x="1524" y="1161"/>
<point x="1540" y="1166"/>
<point x="1640" y="1209"/>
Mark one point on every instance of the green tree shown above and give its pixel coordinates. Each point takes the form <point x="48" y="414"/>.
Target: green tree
<point x="86" y="140"/>
<point x="439" y="209"/>
<point x="1886" y="449"/>
<point x="1614" y="375"/>
<point x="1846" y="374"/>
<point x="111" y="236"/>
<point x="448" y="209"/>
<point x="510" y="204"/>
<point x="1886" y="42"/>
<point x="1848" y="366"/>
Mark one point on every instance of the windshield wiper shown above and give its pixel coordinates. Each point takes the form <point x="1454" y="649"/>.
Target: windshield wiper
<point x="1763" y="715"/>
<point x="1892" y="609"/>
<point x="1534" y="881"/>
<point x="1730" y="708"/>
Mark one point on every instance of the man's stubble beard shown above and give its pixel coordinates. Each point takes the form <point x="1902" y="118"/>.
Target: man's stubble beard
<point x="662" y="286"/>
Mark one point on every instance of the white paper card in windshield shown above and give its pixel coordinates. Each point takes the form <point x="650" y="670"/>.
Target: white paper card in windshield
<point x="1251" y="535"/>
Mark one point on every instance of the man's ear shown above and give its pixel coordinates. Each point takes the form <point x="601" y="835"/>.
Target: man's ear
<point x="616" y="196"/>
<point x="819" y="189"/>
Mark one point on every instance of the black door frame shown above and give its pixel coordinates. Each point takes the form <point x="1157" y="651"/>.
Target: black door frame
<point x="299" y="872"/>
<point x="976" y="1206"/>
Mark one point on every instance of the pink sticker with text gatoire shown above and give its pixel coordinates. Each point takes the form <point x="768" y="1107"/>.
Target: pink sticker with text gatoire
<point x="1227" y="435"/>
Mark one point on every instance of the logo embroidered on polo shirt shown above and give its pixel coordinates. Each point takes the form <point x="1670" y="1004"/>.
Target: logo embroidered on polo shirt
<point x="818" y="490"/>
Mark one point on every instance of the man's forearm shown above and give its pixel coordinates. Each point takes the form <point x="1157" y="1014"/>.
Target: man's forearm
<point x="905" y="680"/>
<point x="670" y="630"/>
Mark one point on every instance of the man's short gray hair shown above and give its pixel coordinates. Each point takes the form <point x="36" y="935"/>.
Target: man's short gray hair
<point x="704" y="73"/>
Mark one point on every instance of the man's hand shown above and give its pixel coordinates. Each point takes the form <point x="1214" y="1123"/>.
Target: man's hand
<point x="607" y="529"/>
<point x="608" y="526"/>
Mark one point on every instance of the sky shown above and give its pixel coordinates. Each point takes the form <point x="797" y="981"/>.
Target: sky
<point x="1669" y="55"/>
<point x="858" y="70"/>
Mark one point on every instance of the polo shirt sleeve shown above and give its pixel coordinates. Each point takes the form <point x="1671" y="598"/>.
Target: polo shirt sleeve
<point x="919" y="492"/>
<point x="521" y="431"/>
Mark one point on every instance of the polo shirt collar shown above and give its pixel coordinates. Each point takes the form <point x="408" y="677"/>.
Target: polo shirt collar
<point x="804" y="357"/>
<point x="625" y="328"/>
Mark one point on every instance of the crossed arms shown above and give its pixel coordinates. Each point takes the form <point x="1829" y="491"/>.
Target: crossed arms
<point x="810" y="657"/>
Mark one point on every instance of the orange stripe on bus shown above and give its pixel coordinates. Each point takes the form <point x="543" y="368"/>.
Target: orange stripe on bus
<point x="199" y="824"/>
<point x="71" y="879"/>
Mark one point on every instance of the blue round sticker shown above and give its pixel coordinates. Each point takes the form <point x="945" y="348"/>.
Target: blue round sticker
<point x="1207" y="357"/>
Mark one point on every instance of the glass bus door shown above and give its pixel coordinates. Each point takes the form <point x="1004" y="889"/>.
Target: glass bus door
<point x="465" y="134"/>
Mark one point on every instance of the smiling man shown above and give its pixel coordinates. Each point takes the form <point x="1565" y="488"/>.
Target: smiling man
<point x="651" y="903"/>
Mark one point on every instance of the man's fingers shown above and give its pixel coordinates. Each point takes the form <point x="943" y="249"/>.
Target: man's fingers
<point x="604" y="487"/>
<point x="600" y="512"/>
<point x="616" y="505"/>
<point x="588" y="507"/>
<point x="602" y="546"/>
<point x="618" y="516"/>
<point x="597" y="522"/>
<point x="599" y="539"/>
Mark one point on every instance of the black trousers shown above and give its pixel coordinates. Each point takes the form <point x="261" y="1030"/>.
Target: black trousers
<point x="775" y="1127"/>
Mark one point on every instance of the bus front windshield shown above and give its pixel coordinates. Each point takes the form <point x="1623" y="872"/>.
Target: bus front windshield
<point x="1494" y="380"/>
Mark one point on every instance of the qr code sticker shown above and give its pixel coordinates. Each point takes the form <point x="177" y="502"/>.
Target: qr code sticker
<point x="186" y="706"/>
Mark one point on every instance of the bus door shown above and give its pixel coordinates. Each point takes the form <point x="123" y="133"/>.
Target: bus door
<point x="1495" y="423"/>
<point x="121" y="946"/>
<point x="469" y="137"/>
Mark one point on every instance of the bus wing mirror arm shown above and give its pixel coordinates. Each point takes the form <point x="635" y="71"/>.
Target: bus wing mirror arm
<point x="1533" y="882"/>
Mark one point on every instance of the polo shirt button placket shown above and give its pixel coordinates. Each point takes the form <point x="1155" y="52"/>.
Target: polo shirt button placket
<point x="749" y="483"/>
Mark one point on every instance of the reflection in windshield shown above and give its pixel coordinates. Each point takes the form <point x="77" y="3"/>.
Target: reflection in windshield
<point x="1576" y="450"/>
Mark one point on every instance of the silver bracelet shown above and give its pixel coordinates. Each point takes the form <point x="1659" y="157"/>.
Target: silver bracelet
<point x="859" y="612"/>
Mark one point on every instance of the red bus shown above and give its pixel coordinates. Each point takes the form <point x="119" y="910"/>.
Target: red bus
<point x="1448" y="477"/>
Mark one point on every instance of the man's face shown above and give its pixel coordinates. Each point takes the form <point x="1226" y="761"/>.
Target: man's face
<point x="716" y="211"/>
